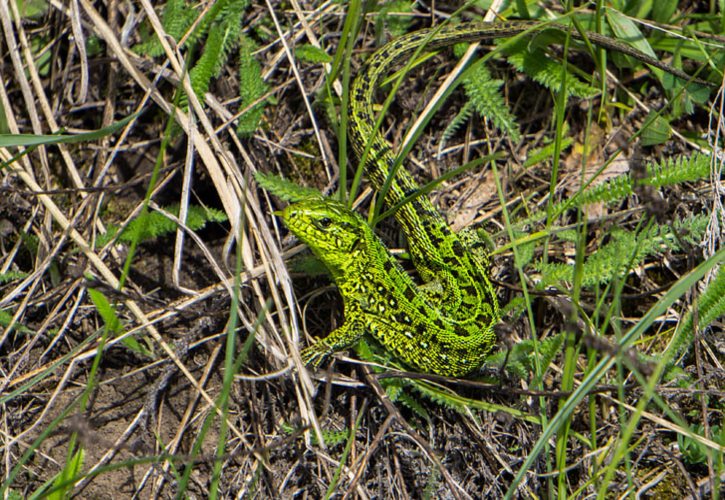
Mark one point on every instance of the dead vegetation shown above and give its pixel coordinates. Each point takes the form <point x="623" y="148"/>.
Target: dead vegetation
<point x="174" y="363"/>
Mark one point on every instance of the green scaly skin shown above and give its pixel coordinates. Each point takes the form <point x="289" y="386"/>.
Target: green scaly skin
<point x="380" y="298"/>
<point x="446" y="326"/>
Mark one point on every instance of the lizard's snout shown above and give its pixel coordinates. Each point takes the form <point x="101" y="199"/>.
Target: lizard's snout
<point x="288" y="214"/>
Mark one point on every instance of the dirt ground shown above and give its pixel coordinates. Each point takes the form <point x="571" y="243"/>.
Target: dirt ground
<point x="173" y="364"/>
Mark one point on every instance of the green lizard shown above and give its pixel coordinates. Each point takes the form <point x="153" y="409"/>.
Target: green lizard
<point x="446" y="326"/>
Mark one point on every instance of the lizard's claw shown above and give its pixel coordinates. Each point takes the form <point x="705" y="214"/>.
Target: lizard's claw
<point x="315" y="354"/>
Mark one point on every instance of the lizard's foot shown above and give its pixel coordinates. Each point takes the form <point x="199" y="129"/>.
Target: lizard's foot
<point x="315" y="354"/>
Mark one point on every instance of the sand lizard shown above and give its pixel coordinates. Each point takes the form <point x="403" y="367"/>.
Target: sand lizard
<point x="447" y="328"/>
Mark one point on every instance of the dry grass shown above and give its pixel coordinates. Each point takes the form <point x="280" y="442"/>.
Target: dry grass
<point x="183" y="412"/>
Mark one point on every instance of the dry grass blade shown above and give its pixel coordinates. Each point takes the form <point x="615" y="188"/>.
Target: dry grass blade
<point x="152" y="308"/>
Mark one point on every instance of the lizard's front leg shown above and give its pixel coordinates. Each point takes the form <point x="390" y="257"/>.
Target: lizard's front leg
<point x="345" y="336"/>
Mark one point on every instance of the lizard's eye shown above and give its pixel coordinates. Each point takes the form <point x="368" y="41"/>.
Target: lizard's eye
<point x="324" y="223"/>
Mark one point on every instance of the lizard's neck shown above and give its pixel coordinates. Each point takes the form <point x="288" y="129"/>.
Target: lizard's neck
<point x="368" y="260"/>
<point x="350" y="265"/>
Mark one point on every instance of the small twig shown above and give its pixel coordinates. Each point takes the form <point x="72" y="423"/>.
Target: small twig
<point x="456" y="489"/>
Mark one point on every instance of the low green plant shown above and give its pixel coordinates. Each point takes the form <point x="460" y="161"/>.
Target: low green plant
<point x="209" y="46"/>
<point x="668" y="172"/>
<point x="64" y="481"/>
<point x="625" y="250"/>
<point x="693" y="452"/>
<point x="114" y="326"/>
<point x="9" y="276"/>
<point x="154" y="225"/>
<point x="709" y="307"/>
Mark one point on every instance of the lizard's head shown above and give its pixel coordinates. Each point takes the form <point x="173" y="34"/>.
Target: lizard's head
<point x="330" y="229"/>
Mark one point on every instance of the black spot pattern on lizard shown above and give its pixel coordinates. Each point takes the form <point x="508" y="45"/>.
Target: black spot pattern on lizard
<point x="380" y="153"/>
<point x="403" y="318"/>
<point x="384" y="53"/>
<point x="462" y="331"/>
<point x="396" y="45"/>
<point x="419" y="206"/>
<point x="439" y="254"/>
<point x="443" y="347"/>
<point x="458" y="249"/>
